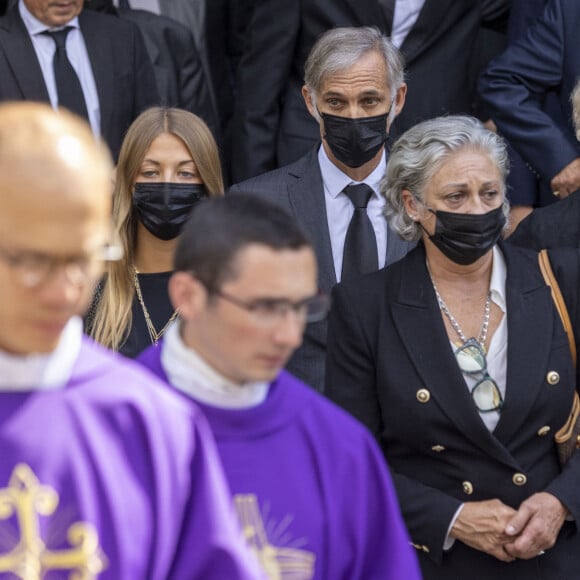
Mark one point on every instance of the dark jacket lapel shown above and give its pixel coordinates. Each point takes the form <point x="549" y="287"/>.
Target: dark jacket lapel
<point x="430" y="25"/>
<point x="306" y="195"/>
<point x="21" y="57"/>
<point x="530" y="330"/>
<point x="418" y="321"/>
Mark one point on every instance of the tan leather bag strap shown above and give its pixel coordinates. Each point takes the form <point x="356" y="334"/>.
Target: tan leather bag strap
<point x="551" y="281"/>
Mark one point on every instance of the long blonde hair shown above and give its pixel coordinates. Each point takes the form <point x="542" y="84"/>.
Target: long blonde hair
<point x="112" y="318"/>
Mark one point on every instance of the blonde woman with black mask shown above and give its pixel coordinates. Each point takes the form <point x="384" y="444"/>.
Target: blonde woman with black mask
<point x="168" y="163"/>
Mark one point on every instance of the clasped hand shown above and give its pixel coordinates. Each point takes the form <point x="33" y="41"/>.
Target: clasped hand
<point x="505" y="533"/>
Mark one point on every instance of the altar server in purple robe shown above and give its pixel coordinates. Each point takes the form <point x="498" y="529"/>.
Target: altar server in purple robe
<point x="103" y="472"/>
<point x="310" y="486"/>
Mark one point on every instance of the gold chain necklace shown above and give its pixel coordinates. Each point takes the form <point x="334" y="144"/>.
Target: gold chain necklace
<point x="153" y="334"/>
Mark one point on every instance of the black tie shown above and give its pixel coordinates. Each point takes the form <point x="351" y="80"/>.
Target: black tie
<point x="360" y="245"/>
<point x="388" y="7"/>
<point x="68" y="86"/>
<point x="124" y="5"/>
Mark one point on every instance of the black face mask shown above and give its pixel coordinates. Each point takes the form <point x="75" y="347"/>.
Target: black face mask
<point x="164" y="207"/>
<point x="355" y="141"/>
<point x="464" y="238"/>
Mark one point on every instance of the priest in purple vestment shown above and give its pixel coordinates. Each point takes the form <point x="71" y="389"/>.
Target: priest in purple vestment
<point x="104" y="473"/>
<point x="310" y="485"/>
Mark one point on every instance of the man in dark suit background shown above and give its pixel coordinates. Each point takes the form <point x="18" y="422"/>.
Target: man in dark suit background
<point x="354" y="89"/>
<point x="179" y="73"/>
<point x="107" y="54"/>
<point x="515" y="87"/>
<point x="437" y="38"/>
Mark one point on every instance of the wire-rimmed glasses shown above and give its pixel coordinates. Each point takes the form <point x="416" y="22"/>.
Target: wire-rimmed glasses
<point x="35" y="267"/>
<point x="471" y="360"/>
<point x="269" y="311"/>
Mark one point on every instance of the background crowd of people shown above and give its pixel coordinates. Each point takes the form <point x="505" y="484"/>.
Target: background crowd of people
<point x="279" y="209"/>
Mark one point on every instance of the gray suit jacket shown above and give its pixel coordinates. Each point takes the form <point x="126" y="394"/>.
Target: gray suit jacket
<point x="298" y="188"/>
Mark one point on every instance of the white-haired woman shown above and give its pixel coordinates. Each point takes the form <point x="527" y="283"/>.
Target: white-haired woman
<point x="456" y="359"/>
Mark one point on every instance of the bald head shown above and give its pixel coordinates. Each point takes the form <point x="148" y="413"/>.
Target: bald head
<point x="55" y="203"/>
<point x="44" y="150"/>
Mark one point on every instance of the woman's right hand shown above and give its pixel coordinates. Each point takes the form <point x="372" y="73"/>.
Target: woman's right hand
<point x="481" y="525"/>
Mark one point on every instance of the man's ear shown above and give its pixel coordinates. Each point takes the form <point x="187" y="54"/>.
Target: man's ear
<point x="187" y="294"/>
<point x="400" y="98"/>
<point x="307" y="95"/>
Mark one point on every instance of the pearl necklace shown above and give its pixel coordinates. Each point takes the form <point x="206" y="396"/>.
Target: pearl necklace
<point x="154" y="335"/>
<point x="484" y="323"/>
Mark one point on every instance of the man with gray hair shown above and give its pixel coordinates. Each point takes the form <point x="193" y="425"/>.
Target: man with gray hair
<point x="354" y="87"/>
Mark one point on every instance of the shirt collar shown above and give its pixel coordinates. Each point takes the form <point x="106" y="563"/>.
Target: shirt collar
<point x="498" y="279"/>
<point x="36" y="372"/>
<point x="335" y="180"/>
<point x="189" y="373"/>
<point x="35" y="26"/>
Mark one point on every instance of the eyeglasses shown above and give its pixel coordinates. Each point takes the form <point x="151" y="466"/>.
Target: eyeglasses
<point x="33" y="268"/>
<point x="471" y="360"/>
<point x="269" y="311"/>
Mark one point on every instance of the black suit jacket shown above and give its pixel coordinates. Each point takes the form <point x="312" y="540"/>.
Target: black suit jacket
<point x="298" y="188"/>
<point x="441" y="52"/>
<point x="387" y="342"/>
<point x="515" y="86"/>
<point x="271" y="125"/>
<point x="122" y="70"/>
<point x="555" y="226"/>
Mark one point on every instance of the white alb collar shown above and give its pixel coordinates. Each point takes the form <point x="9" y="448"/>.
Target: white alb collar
<point x="35" y="372"/>
<point x="189" y="373"/>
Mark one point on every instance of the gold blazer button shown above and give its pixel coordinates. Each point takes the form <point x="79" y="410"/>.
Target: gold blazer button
<point x="438" y="448"/>
<point x="467" y="487"/>
<point x="423" y="396"/>
<point x="543" y="430"/>
<point x="519" y="479"/>
<point x="553" y="378"/>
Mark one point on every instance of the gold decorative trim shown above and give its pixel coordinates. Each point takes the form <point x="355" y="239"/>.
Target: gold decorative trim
<point x="26" y="499"/>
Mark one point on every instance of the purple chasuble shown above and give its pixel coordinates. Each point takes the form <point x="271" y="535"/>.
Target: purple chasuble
<point x="310" y="486"/>
<point x="112" y="477"/>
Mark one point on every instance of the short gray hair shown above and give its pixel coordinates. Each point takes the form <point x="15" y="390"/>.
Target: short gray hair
<point x="421" y="151"/>
<point x="575" y="98"/>
<point x="340" y="48"/>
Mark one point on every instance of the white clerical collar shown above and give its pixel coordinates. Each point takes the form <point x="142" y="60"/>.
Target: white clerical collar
<point x="189" y="373"/>
<point x="335" y="180"/>
<point x="36" y="372"/>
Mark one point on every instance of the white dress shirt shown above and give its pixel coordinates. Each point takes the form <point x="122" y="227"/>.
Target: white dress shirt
<point x="190" y="374"/>
<point x="149" y="5"/>
<point x="43" y="371"/>
<point x="339" y="208"/>
<point x="78" y="56"/>
<point x="496" y="355"/>
<point x="404" y="18"/>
